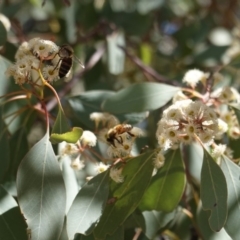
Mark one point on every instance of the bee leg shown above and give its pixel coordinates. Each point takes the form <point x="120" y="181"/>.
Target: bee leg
<point x="119" y="140"/>
<point x="132" y="135"/>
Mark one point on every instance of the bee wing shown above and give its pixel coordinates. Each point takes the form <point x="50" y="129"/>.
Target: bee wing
<point x="77" y="60"/>
<point x="69" y="75"/>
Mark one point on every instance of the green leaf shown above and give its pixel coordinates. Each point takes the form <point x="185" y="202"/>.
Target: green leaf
<point x="167" y="186"/>
<point x="17" y="115"/>
<point x="213" y="191"/>
<point x="5" y="82"/>
<point x="64" y="234"/>
<point x="137" y="174"/>
<point x="232" y="173"/>
<point x="135" y="220"/>
<point x="206" y="232"/>
<point x="41" y="191"/>
<point x="236" y="109"/>
<point x="88" y="205"/>
<point x="12" y="225"/>
<point x="3" y="34"/>
<point x="116" y="56"/>
<point x="155" y="221"/>
<point x="70" y="137"/>
<point x="61" y="124"/>
<point x="117" y="235"/>
<point x="19" y="143"/>
<point x="83" y="105"/>
<point x="140" y="97"/>
<point x="195" y="161"/>
<point x="70" y="181"/>
<point x="83" y="237"/>
<point x="4" y="148"/>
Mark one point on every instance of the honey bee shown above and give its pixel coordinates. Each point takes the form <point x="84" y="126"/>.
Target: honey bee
<point x="66" y="55"/>
<point x="119" y="129"/>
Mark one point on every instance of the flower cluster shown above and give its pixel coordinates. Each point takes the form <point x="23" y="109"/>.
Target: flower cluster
<point x="184" y="121"/>
<point x="36" y="54"/>
<point x="74" y="151"/>
<point x="106" y="119"/>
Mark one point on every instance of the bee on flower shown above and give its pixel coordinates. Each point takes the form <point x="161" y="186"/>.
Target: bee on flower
<point x="120" y="139"/>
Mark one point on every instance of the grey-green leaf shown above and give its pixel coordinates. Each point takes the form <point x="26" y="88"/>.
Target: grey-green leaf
<point x="156" y="220"/>
<point x="232" y="173"/>
<point x="116" y="56"/>
<point x="88" y="205"/>
<point x="41" y="191"/>
<point x="206" y="232"/>
<point x="236" y="109"/>
<point x="140" y="97"/>
<point x="12" y="225"/>
<point x="213" y="190"/>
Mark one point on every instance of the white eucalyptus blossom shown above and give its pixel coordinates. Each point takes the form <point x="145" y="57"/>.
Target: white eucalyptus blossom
<point x="106" y="119"/>
<point x="101" y="167"/>
<point x="159" y="160"/>
<point x="88" y="138"/>
<point x="194" y="76"/>
<point x="226" y="94"/>
<point x="116" y="175"/>
<point x="184" y="121"/>
<point x="77" y="164"/>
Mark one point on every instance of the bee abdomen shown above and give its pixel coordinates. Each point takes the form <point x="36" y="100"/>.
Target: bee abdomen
<point x="65" y="67"/>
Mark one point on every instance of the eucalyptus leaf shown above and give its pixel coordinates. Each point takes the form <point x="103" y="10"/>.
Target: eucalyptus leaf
<point x="195" y="161"/>
<point x="206" y="232"/>
<point x="135" y="220"/>
<point x="213" y="191"/>
<point x="64" y="234"/>
<point x="19" y="143"/>
<point x="41" y="191"/>
<point x="83" y="105"/>
<point x="167" y="186"/>
<point x="117" y="235"/>
<point x="70" y="181"/>
<point x="155" y="221"/>
<point x="5" y="82"/>
<point x="70" y="137"/>
<point x="61" y="124"/>
<point x="137" y="174"/>
<point x="139" y="97"/>
<point x="232" y="173"/>
<point x="88" y="205"/>
<point x="12" y="225"/>
<point x="236" y="109"/>
<point x="116" y="56"/>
